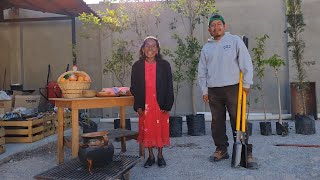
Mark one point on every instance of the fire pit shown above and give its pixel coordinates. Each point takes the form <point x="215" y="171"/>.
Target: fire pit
<point x="75" y="170"/>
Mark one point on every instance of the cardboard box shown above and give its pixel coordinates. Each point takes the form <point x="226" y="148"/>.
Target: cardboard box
<point x="14" y="93"/>
<point x="2" y="111"/>
<point x="29" y="102"/>
<point x="6" y="104"/>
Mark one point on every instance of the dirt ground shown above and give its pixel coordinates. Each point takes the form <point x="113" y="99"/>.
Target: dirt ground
<point x="187" y="158"/>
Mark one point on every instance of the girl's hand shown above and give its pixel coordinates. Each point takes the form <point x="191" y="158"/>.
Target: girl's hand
<point x="163" y="111"/>
<point x="140" y="112"/>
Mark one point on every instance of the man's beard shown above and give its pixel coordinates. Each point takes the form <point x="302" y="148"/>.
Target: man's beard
<point x="217" y="36"/>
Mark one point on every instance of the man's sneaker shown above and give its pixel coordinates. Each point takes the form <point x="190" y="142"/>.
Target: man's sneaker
<point x="251" y="163"/>
<point x="219" y="155"/>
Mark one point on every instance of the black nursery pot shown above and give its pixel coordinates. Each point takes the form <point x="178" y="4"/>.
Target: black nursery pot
<point x="265" y="128"/>
<point x="282" y="129"/>
<point x="93" y="127"/>
<point x="305" y="125"/>
<point x="175" y="123"/>
<point x="116" y="124"/>
<point x="196" y="125"/>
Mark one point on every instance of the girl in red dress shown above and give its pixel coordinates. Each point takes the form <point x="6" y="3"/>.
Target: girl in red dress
<point x="152" y="88"/>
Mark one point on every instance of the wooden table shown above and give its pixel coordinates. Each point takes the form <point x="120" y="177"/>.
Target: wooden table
<point x="87" y="103"/>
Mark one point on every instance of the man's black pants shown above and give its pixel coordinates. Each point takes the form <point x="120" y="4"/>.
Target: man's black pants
<point x="220" y="100"/>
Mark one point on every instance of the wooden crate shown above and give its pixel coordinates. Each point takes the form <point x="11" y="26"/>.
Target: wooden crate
<point x="23" y="131"/>
<point x="49" y="124"/>
<point x="2" y="132"/>
<point x="2" y="140"/>
<point x="2" y="149"/>
<point x="66" y="121"/>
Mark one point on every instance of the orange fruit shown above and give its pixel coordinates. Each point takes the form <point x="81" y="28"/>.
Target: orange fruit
<point x="87" y="78"/>
<point x="72" y="78"/>
<point x="80" y="78"/>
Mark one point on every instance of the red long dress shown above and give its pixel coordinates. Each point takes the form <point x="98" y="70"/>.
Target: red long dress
<point x="153" y="125"/>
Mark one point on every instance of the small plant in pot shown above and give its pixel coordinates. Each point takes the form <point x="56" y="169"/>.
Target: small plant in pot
<point x="192" y="12"/>
<point x="304" y="124"/>
<point x="178" y="77"/>
<point x="87" y="124"/>
<point x="275" y="62"/>
<point x="119" y="66"/>
<point x="259" y="67"/>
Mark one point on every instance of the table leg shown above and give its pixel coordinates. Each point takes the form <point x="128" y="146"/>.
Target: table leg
<point x="123" y="126"/>
<point x="75" y="132"/>
<point x="60" y="135"/>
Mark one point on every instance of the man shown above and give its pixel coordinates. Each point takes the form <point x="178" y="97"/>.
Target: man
<point x="222" y="58"/>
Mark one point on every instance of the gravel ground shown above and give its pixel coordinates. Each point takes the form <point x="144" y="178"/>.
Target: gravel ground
<point x="187" y="158"/>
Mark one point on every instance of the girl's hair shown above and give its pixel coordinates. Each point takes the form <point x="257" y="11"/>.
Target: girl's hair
<point x="143" y="56"/>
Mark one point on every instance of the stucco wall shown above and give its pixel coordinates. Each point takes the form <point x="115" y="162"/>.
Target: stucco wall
<point x="27" y="48"/>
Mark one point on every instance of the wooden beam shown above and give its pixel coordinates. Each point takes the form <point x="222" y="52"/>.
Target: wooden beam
<point x="35" y="19"/>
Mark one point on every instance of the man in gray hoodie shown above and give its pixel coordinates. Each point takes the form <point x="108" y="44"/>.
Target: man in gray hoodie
<point x="222" y="58"/>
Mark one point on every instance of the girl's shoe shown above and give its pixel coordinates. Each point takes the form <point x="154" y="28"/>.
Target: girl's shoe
<point x="161" y="162"/>
<point x="149" y="162"/>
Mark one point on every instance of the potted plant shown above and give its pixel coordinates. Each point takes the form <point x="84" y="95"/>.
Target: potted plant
<point x="178" y="77"/>
<point x="194" y="11"/>
<point x="87" y="124"/>
<point x="304" y="123"/>
<point x="120" y="65"/>
<point x="275" y="62"/>
<point x="259" y="68"/>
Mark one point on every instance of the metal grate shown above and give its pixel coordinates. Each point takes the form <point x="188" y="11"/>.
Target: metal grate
<point x="74" y="170"/>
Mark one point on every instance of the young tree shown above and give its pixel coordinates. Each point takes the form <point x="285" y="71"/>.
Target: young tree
<point x="276" y="62"/>
<point x="113" y="19"/>
<point x="179" y="61"/>
<point x="259" y="66"/>
<point x="194" y="11"/>
<point x="296" y="46"/>
<point x="121" y="61"/>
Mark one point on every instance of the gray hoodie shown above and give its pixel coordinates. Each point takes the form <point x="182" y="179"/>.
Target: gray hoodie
<point x="221" y="61"/>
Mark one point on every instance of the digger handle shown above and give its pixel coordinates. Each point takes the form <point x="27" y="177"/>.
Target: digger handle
<point x="239" y="103"/>
<point x="243" y="114"/>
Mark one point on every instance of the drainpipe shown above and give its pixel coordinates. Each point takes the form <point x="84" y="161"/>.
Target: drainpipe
<point x="74" y="43"/>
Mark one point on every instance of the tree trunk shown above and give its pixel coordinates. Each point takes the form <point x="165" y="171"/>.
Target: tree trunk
<point x="279" y="101"/>
<point x="194" y="109"/>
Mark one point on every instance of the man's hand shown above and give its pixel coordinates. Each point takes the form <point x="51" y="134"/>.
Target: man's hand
<point x="246" y="90"/>
<point x="140" y="112"/>
<point x="205" y="98"/>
